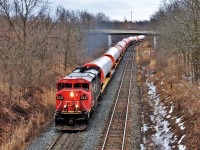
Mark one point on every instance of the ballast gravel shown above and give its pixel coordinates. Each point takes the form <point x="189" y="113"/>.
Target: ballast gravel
<point x="45" y="139"/>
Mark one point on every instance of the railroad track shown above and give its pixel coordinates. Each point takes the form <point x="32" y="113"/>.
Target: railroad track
<point x="115" y="134"/>
<point x="64" y="141"/>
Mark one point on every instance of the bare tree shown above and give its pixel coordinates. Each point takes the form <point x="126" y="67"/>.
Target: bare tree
<point x="179" y="25"/>
<point x="27" y="32"/>
<point x="72" y="29"/>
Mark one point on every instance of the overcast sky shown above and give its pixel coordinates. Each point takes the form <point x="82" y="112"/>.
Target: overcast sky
<point x="114" y="9"/>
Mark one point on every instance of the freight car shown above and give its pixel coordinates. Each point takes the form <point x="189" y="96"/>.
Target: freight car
<point x="78" y="93"/>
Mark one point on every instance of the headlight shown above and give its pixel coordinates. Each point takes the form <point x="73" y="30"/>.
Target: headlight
<point x="76" y="106"/>
<point x="72" y="94"/>
<point x="60" y="97"/>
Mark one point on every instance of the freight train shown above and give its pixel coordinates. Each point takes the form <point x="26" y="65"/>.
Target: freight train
<point x="78" y="93"/>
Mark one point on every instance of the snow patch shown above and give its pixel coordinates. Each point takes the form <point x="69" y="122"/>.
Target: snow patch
<point x="187" y="78"/>
<point x="168" y="116"/>
<point x="171" y="109"/>
<point x="181" y="147"/>
<point x="178" y="120"/>
<point x="162" y="81"/>
<point x="145" y="127"/>
<point x="142" y="147"/>
<point x="181" y="139"/>
<point x="180" y="124"/>
<point x="163" y="135"/>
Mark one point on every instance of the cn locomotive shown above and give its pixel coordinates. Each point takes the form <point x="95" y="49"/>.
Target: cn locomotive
<point x="78" y="93"/>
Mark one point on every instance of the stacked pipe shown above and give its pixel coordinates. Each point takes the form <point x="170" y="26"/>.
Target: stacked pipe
<point x="110" y="57"/>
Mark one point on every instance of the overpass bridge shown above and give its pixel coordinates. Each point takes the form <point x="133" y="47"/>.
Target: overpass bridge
<point x="111" y="32"/>
<point x="122" y="32"/>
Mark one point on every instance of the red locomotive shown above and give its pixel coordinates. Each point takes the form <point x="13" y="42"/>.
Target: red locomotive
<point x="78" y="92"/>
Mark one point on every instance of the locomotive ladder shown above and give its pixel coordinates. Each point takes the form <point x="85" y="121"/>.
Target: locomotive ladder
<point x="116" y="131"/>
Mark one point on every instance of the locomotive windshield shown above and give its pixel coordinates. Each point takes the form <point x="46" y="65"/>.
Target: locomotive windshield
<point x="77" y="85"/>
<point x="64" y="85"/>
<point x="83" y="85"/>
<point x="68" y="85"/>
<point x="61" y="86"/>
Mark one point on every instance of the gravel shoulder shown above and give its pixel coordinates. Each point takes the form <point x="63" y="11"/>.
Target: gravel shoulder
<point x="135" y="104"/>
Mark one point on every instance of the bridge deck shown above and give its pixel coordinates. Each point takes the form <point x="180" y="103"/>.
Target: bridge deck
<point x="122" y="32"/>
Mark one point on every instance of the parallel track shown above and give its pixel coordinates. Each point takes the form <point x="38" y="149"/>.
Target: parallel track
<point x="115" y="135"/>
<point x="64" y="141"/>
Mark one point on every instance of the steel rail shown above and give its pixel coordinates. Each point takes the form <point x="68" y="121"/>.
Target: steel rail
<point x="55" y="141"/>
<point x="104" y="143"/>
<point x="70" y="137"/>
<point x="129" y="93"/>
<point x="73" y="141"/>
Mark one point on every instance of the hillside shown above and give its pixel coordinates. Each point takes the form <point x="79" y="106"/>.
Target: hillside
<point x="29" y="115"/>
<point x="170" y="101"/>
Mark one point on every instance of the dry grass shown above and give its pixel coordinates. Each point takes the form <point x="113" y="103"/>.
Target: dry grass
<point x="20" y="122"/>
<point x="23" y="133"/>
<point x="145" y="55"/>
